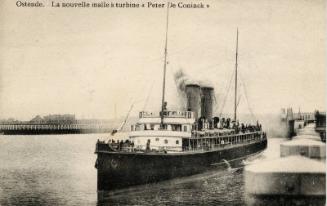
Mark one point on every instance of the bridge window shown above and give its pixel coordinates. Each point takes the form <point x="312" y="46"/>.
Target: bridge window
<point x="176" y="127"/>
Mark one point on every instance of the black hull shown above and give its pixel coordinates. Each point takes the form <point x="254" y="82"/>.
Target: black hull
<point x="119" y="170"/>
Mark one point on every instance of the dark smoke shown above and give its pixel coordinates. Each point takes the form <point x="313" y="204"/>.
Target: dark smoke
<point x="181" y="80"/>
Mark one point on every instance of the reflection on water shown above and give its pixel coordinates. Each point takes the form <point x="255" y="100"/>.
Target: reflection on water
<point x="59" y="170"/>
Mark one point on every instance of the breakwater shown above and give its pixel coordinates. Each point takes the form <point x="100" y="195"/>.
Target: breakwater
<point x="296" y="177"/>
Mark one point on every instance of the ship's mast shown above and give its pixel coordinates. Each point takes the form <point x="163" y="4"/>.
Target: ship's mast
<point x="164" y="73"/>
<point x="235" y="97"/>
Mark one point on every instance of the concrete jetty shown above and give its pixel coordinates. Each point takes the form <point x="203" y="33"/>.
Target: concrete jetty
<point x="303" y="176"/>
<point x="305" y="147"/>
<point x="307" y="143"/>
<point x="306" y="136"/>
<point x="308" y="130"/>
<point x="298" y="177"/>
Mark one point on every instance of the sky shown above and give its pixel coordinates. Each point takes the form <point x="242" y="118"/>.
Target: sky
<point x="96" y="63"/>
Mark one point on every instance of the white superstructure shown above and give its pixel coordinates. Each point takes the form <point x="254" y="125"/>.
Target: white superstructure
<point x="177" y="125"/>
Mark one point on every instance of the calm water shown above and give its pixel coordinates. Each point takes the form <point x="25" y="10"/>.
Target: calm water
<point x="59" y="170"/>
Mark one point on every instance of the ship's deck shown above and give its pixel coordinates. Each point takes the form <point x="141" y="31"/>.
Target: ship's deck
<point x="185" y="152"/>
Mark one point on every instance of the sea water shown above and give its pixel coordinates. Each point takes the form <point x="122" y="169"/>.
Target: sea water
<point x="59" y="170"/>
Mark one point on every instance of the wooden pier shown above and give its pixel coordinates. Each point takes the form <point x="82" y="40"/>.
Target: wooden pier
<point x="36" y="128"/>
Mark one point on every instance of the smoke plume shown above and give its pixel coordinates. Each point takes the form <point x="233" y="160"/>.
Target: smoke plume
<point x="182" y="79"/>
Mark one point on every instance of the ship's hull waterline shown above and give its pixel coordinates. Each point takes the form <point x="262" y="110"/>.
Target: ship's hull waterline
<point x="119" y="170"/>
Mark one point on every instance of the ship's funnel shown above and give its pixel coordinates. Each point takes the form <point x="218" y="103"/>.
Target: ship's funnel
<point x="207" y="99"/>
<point x="193" y="95"/>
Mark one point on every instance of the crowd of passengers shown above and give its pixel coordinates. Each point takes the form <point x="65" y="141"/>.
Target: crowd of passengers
<point x="201" y="125"/>
<point x="119" y="144"/>
<point x="226" y="123"/>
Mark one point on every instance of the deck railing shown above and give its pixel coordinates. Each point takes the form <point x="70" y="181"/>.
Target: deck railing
<point x="207" y="143"/>
<point x="194" y="144"/>
<point x="170" y="114"/>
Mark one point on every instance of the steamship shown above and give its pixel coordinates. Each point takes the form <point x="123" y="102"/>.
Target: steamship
<point x="173" y="144"/>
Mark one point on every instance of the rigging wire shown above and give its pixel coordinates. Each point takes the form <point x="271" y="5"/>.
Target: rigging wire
<point x="247" y="100"/>
<point x="113" y="132"/>
<point x="148" y="96"/>
<point x="238" y="101"/>
<point x="125" y="120"/>
<point x="225" y="98"/>
<point x="253" y="116"/>
<point x="215" y="99"/>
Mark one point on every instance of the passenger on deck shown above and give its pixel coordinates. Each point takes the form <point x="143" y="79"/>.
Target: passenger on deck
<point x="215" y="122"/>
<point x="132" y="146"/>
<point x="201" y="123"/>
<point x="121" y="143"/>
<point x="222" y="143"/>
<point x="211" y="124"/>
<point x="219" y="126"/>
<point x="233" y="125"/>
<point x="228" y="123"/>
<point x="206" y="123"/>
<point x="242" y="128"/>
<point x="222" y="124"/>
<point x="147" y="146"/>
